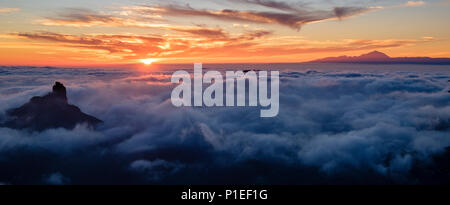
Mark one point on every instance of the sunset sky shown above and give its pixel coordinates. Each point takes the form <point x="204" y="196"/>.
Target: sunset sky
<point x="115" y="32"/>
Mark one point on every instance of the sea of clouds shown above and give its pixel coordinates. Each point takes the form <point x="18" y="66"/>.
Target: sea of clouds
<point x="334" y="127"/>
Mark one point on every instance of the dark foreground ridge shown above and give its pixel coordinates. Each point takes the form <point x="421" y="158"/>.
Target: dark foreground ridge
<point x="49" y="111"/>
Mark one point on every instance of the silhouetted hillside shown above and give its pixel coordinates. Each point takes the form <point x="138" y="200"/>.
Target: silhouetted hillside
<point x="379" y="57"/>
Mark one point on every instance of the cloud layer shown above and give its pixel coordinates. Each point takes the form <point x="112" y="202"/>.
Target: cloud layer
<point x="377" y="125"/>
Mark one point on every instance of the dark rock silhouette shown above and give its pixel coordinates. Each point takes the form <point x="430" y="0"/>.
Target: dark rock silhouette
<point x="59" y="91"/>
<point x="49" y="111"/>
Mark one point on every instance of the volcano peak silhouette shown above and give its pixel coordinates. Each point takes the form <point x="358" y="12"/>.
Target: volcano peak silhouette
<point x="379" y="57"/>
<point x="374" y="55"/>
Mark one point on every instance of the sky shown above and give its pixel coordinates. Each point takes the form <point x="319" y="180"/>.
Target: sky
<point x="128" y="32"/>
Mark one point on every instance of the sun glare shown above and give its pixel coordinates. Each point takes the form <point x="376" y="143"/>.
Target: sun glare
<point x="148" y="61"/>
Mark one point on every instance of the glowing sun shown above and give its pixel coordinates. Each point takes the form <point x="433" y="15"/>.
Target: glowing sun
<point x="148" y="61"/>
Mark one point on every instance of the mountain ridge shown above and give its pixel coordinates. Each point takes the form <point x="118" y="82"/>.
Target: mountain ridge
<point x="382" y="58"/>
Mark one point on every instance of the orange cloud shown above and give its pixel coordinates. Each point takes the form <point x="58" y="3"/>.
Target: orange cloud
<point x="414" y="3"/>
<point x="8" y="10"/>
<point x="248" y="46"/>
<point x="87" y="18"/>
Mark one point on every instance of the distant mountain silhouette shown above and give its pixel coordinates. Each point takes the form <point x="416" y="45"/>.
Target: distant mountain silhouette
<point x="49" y="111"/>
<point x="379" y="57"/>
